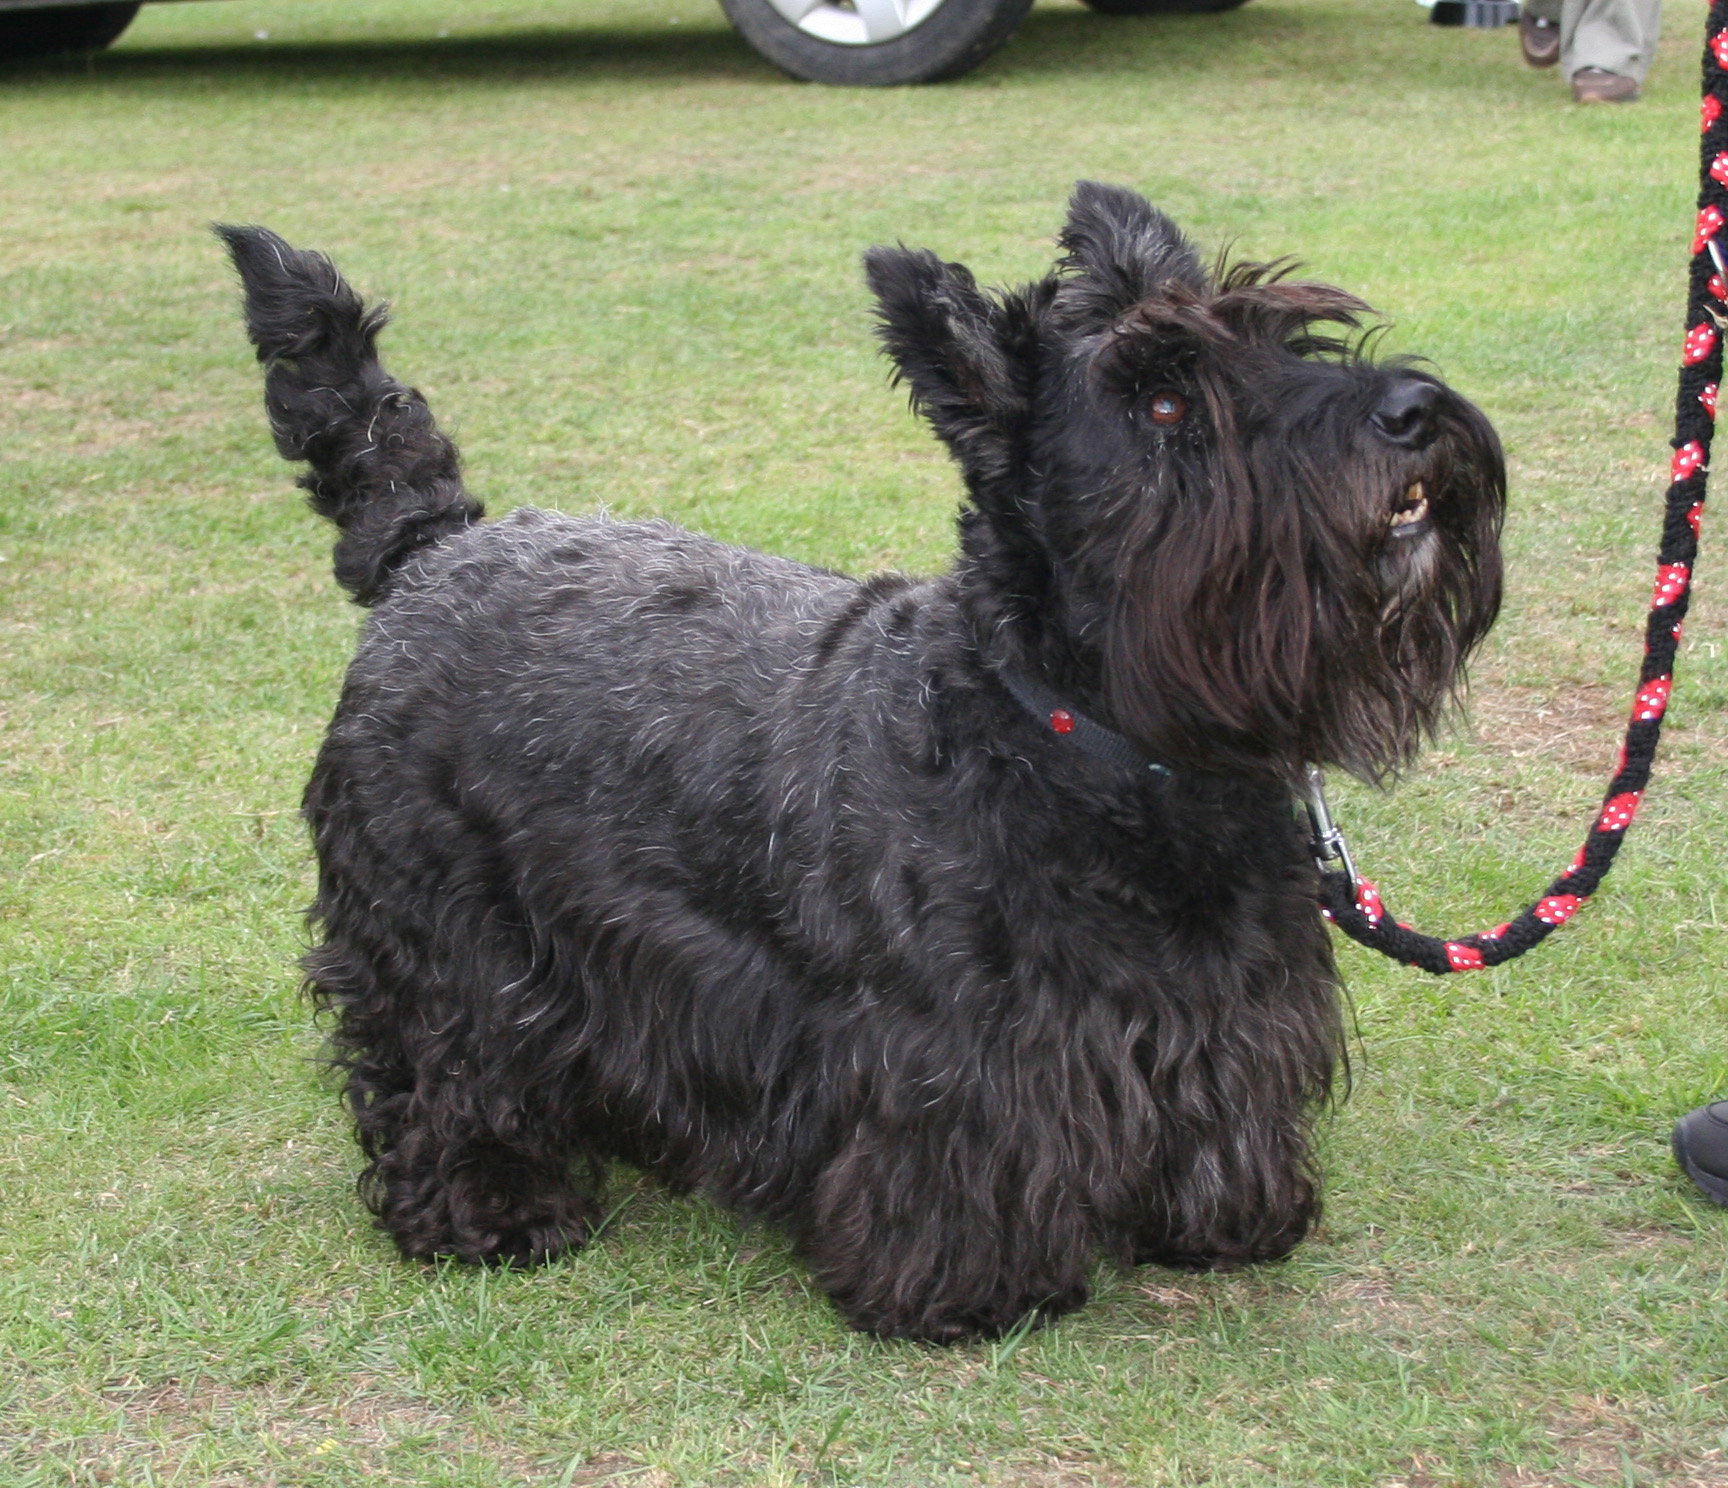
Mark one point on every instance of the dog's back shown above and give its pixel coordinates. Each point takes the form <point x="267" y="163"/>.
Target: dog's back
<point x="582" y="711"/>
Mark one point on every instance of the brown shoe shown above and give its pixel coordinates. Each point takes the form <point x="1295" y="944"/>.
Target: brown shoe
<point x="1539" y="40"/>
<point x="1595" y="85"/>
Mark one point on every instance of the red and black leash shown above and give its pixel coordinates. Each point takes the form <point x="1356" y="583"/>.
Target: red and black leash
<point x="1353" y="903"/>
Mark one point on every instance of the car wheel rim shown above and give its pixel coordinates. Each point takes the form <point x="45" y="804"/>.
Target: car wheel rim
<point x="856" y="22"/>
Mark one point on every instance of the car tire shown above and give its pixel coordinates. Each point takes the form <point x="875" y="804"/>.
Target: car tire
<point x="921" y="41"/>
<point x="1163" y="7"/>
<point x="62" y="28"/>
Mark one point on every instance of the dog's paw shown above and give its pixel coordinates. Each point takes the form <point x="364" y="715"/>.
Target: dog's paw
<point x="938" y="1322"/>
<point x="537" y="1243"/>
<point x="489" y="1208"/>
<point x="518" y="1240"/>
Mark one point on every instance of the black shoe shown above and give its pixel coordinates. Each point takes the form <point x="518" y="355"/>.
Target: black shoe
<point x="1539" y="40"/>
<point x="1701" y="1148"/>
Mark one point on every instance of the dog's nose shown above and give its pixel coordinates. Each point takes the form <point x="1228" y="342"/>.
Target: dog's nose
<point x="1405" y="415"/>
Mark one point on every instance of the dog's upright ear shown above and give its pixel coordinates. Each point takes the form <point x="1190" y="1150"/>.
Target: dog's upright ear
<point x="964" y="354"/>
<point x="1118" y="249"/>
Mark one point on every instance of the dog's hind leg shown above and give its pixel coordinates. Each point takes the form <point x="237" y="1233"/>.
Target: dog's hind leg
<point x="470" y="1155"/>
<point x="458" y="1182"/>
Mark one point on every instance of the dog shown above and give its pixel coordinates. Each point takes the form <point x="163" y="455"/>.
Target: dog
<point x="961" y="928"/>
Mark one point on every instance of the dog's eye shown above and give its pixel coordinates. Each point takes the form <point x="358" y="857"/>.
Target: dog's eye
<point x="1167" y="408"/>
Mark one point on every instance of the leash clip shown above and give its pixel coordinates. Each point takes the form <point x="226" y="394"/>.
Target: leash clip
<point x="1328" y="845"/>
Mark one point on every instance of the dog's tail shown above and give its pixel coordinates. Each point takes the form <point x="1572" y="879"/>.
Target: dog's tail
<point x="381" y="470"/>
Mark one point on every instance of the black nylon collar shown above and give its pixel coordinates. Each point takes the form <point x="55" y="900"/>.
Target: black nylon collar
<point x="1069" y="725"/>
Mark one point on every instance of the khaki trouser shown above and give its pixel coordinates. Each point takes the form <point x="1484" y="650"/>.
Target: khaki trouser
<point x="1615" y="35"/>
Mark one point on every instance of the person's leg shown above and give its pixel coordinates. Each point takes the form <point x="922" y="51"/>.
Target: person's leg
<point x="1611" y="36"/>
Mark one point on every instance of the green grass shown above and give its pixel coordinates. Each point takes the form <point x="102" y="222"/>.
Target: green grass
<point x="624" y="254"/>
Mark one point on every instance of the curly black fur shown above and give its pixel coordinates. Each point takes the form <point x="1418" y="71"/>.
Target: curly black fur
<point x="635" y="846"/>
<point x="381" y="471"/>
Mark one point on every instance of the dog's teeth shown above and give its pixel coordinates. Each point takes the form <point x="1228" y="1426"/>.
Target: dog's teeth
<point x="1415" y="507"/>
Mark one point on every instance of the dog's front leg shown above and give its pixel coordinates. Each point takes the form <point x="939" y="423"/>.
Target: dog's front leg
<point x="931" y="1233"/>
<point x="1239" y="1190"/>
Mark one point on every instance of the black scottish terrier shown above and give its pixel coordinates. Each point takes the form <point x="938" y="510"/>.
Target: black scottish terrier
<point x="963" y="928"/>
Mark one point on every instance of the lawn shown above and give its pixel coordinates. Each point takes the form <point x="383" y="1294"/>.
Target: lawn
<point x="624" y="257"/>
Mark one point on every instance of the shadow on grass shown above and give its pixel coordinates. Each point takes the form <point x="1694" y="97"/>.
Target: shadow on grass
<point x="513" y="56"/>
<point x="1051" y="42"/>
